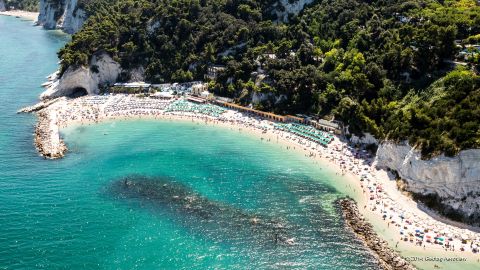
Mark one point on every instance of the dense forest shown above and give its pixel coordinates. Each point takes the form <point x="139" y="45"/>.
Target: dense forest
<point x="28" y="5"/>
<point x="387" y="67"/>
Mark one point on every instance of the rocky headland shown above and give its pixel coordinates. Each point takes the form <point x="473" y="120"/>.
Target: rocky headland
<point x="449" y="185"/>
<point x="64" y="14"/>
<point x="83" y="80"/>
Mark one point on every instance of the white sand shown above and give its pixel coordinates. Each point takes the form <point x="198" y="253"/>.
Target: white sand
<point x="31" y="16"/>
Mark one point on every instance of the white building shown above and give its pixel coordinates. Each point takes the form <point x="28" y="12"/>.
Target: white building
<point x="199" y="88"/>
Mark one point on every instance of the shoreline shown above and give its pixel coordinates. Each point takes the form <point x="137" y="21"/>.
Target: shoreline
<point x="27" y="15"/>
<point x="387" y="257"/>
<point x="337" y="157"/>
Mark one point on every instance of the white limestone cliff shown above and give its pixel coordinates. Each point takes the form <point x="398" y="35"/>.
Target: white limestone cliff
<point x="101" y="71"/>
<point x="61" y="15"/>
<point x="260" y="97"/>
<point x="367" y="138"/>
<point x="73" y="17"/>
<point x="49" y="14"/>
<point x="2" y="5"/>
<point x="455" y="180"/>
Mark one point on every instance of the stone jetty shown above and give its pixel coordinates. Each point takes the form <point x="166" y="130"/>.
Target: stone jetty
<point x="388" y="258"/>
<point x="47" y="136"/>
<point x="39" y="106"/>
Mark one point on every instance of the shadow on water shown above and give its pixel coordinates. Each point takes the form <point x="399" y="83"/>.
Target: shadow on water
<point x="216" y="220"/>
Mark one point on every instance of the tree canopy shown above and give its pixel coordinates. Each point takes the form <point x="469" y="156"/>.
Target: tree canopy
<point x="379" y="66"/>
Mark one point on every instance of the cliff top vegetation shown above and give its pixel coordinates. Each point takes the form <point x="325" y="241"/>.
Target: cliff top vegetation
<point x="383" y="67"/>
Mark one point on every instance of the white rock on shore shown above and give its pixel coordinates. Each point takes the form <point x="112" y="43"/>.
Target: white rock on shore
<point x="47" y="135"/>
<point x="73" y="17"/>
<point x="2" y="5"/>
<point x="456" y="180"/>
<point x="367" y="138"/>
<point x="84" y="78"/>
<point x="63" y="15"/>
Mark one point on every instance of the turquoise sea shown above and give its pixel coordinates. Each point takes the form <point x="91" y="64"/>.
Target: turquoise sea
<point x="154" y="195"/>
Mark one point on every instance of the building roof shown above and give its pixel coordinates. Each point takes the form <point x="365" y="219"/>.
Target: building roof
<point x="216" y="68"/>
<point x="163" y="94"/>
<point x="196" y="99"/>
<point x="233" y="105"/>
<point x="295" y="117"/>
<point x="133" y="84"/>
<point x="328" y="123"/>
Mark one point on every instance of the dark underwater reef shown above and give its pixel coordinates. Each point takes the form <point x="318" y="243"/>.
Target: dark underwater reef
<point x="194" y="210"/>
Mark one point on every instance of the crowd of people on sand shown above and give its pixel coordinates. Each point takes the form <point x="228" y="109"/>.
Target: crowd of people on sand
<point x="426" y="232"/>
<point x="411" y="227"/>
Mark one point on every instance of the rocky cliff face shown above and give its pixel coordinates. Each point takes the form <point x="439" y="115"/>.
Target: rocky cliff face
<point x="73" y="17"/>
<point x="61" y="14"/>
<point x="84" y="80"/>
<point x="2" y="5"/>
<point x="283" y="8"/>
<point x="452" y="182"/>
<point x="367" y="138"/>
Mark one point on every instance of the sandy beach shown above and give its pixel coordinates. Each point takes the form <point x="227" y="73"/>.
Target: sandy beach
<point x="31" y="16"/>
<point x="425" y="241"/>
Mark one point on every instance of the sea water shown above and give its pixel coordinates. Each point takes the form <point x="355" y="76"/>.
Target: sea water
<point x="64" y="214"/>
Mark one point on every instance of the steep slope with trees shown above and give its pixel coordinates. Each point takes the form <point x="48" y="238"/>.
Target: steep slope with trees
<point x="363" y="62"/>
<point x="28" y="5"/>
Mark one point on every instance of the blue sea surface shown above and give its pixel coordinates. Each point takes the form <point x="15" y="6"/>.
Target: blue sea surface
<point x="73" y="213"/>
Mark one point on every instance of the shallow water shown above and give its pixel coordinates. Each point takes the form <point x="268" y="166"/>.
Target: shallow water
<point x="63" y="214"/>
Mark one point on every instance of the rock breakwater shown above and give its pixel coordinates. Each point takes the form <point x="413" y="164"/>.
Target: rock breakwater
<point x="388" y="258"/>
<point x="37" y="107"/>
<point x="47" y="136"/>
